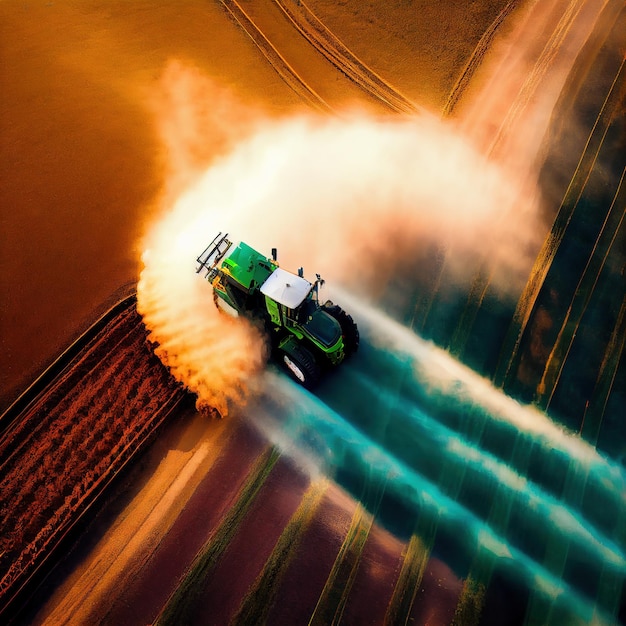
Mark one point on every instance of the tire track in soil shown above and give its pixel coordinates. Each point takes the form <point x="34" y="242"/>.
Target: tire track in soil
<point x="325" y="42"/>
<point x="476" y="58"/>
<point x="276" y="60"/>
<point x="329" y="46"/>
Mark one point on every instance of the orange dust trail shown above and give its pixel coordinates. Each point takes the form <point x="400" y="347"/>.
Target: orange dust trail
<point x="510" y="103"/>
<point x="198" y="120"/>
<point x="354" y="199"/>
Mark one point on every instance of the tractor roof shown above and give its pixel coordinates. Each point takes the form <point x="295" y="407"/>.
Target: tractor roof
<point x="286" y="288"/>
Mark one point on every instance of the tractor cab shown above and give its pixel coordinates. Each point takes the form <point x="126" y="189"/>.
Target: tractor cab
<point x="284" y="294"/>
<point x="292" y="301"/>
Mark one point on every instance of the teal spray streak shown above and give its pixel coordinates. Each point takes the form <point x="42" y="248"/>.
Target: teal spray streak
<point x="319" y="433"/>
<point x="403" y="410"/>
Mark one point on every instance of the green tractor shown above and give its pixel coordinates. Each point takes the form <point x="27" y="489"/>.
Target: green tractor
<point x="307" y="338"/>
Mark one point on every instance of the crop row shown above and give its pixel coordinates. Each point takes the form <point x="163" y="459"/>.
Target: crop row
<point x="74" y="437"/>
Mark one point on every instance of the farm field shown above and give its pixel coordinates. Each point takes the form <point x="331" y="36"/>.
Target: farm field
<point x="456" y="174"/>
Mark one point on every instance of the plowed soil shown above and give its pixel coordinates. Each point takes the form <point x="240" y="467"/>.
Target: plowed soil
<point x="60" y="452"/>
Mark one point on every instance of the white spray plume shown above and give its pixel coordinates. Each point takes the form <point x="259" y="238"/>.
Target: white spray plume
<point x="354" y="199"/>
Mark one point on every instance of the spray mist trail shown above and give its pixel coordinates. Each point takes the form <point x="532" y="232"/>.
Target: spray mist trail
<point x="353" y="199"/>
<point x="440" y="443"/>
<point x="364" y="189"/>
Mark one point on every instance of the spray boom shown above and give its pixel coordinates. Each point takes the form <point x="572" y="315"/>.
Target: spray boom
<point x="212" y="255"/>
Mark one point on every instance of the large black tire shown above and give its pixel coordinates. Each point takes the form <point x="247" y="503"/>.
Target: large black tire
<point x="300" y="364"/>
<point x="349" y="329"/>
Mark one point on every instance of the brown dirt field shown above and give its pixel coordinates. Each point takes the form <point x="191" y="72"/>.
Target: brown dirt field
<point x="80" y="155"/>
<point x="307" y="573"/>
<point x="62" y="448"/>
<point x="437" y="597"/>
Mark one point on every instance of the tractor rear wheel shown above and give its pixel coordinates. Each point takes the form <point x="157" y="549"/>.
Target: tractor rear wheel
<point x="349" y="329"/>
<point x="300" y="364"/>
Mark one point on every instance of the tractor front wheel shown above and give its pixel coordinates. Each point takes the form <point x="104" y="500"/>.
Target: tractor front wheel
<point x="349" y="329"/>
<point x="300" y="364"/>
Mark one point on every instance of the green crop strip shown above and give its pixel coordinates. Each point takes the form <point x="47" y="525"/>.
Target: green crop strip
<point x="256" y="606"/>
<point x="181" y="605"/>
<point x="509" y="353"/>
<point x="470" y="604"/>
<point x="409" y="581"/>
<point x="333" y="598"/>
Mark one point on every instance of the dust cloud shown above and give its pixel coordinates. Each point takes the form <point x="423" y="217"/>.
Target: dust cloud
<point x="197" y="119"/>
<point x="355" y="198"/>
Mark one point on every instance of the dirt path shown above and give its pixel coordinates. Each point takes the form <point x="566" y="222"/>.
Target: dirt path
<point x="176" y="469"/>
